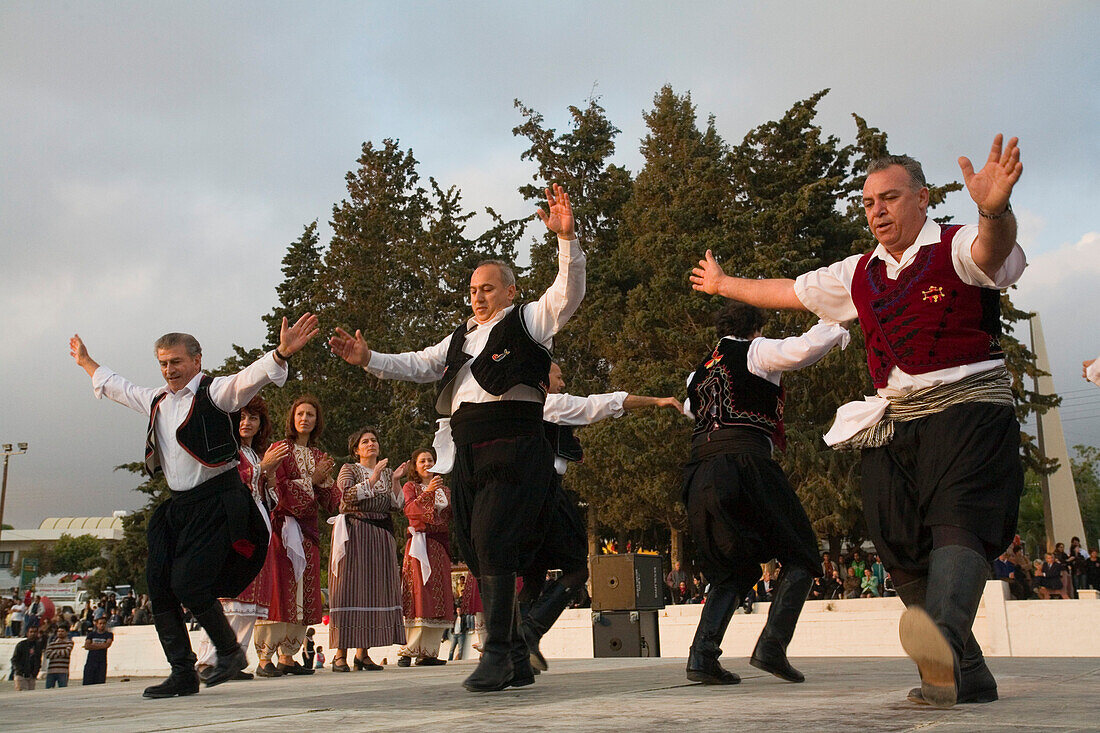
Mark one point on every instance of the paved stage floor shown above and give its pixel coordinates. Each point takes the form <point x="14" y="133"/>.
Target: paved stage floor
<point x="580" y="695"/>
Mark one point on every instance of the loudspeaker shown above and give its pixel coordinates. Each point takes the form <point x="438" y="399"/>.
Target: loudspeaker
<point x="629" y="582"/>
<point x="625" y="634"/>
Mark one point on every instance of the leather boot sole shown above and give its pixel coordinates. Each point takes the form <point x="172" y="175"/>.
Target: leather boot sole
<point x="982" y="696"/>
<point x="709" y="679"/>
<point x="925" y="644"/>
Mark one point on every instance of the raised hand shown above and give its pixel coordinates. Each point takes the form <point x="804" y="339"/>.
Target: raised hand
<point x="293" y="338"/>
<point x="352" y="349"/>
<point x="322" y="470"/>
<point x="401" y="471"/>
<point x="436" y="483"/>
<point x="992" y="185"/>
<point x="708" y="275"/>
<point x="80" y="354"/>
<point x="273" y="456"/>
<point x="1085" y="367"/>
<point x="560" y="219"/>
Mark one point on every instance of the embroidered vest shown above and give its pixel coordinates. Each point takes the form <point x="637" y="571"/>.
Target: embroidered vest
<point x="510" y="357"/>
<point x="725" y="394"/>
<point x="208" y="434"/>
<point x="927" y="319"/>
<point x="564" y="443"/>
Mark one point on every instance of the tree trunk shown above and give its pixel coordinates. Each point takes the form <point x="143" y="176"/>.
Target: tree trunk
<point x="676" y="552"/>
<point x="835" y="543"/>
<point x="593" y="541"/>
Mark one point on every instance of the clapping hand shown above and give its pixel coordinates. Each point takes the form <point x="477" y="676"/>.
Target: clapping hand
<point x="378" y="470"/>
<point x="323" y="469"/>
<point x="273" y="456"/>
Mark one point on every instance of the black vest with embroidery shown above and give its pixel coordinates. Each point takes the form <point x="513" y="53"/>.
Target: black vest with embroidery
<point x="208" y="434"/>
<point x="564" y="443"/>
<point x="510" y="358"/>
<point x="725" y="394"/>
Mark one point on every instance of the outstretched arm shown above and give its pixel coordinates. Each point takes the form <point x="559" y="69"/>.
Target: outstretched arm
<point x="352" y="349"/>
<point x="710" y="278"/>
<point x="990" y="189"/>
<point x="557" y="305"/>
<point x="293" y="338"/>
<point x="633" y="402"/>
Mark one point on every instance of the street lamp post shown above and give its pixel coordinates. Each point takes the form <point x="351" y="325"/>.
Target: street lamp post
<point x="8" y="453"/>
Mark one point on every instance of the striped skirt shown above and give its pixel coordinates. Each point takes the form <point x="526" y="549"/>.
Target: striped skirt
<point x="365" y="592"/>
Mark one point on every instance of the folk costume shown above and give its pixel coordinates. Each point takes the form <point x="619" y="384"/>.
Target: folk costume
<point x="243" y="611"/>
<point x="293" y="563"/>
<point x="493" y="379"/>
<point x="426" y="594"/>
<point x="565" y="543"/>
<point x="208" y="539"/>
<point x="741" y="509"/>
<point x="364" y="580"/>
<point x="941" y="470"/>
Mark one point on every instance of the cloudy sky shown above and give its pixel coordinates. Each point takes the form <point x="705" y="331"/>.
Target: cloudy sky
<point x="157" y="157"/>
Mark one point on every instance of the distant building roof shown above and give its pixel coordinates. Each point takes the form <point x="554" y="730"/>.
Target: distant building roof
<point x="78" y="523"/>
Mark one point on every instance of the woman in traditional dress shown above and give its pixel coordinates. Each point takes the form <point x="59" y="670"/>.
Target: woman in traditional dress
<point x="303" y="486"/>
<point x="426" y="573"/>
<point x="364" y="577"/>
<point x="251" y="605"/>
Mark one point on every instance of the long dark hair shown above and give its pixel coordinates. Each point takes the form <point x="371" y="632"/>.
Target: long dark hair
<point x="412" y="463"/>
<point x="262" y="438"/>
<point x="318" y="427"/>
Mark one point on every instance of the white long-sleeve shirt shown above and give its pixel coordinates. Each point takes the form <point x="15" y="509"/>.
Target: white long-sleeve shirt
<point x="227" y="393"/>
<point x="769" y="358"/>
<point x="543" y="318"/>
<point x="567" y="409"/>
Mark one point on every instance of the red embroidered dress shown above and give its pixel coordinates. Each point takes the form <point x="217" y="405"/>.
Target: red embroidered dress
<point x="297" y="498"/>
<point x="428" y="604"/>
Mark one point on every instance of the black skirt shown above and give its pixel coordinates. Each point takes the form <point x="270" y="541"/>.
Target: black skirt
<point x="959" y="468"/>
<point x="742" y="512"/>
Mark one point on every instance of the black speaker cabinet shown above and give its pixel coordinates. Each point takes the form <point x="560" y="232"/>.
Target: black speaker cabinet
<point x="625" y="634"/>
<point x="629" y="582"/>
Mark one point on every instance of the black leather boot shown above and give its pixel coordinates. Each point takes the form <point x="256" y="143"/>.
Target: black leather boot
<point x="523" y="673"/>
<point x="976" y="682"/>
<point x="770" y="653"/>
<point x="702" y="665"/>
<point x="231" y="658"/>
<point x="183" y="680"/>
<point x="544" y="612"/>
<point x="937" y="636"/>
<point x="494" y="671"/>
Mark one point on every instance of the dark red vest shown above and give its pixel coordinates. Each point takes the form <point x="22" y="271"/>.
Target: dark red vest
<point x="927" y="319"/>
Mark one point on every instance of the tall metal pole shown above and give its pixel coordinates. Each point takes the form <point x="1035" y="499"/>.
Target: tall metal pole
<point x="8" y="453"/>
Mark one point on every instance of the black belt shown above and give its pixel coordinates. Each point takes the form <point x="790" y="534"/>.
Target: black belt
<point x="731" y="440"/>
<point x="478" y="422"/>
<point x="386" y="523"/>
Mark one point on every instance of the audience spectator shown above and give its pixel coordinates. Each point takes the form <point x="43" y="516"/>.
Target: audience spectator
<point x="1092" y="569"/>
<point x="97" y="642"/>
<point x="818" y="591"/>
<point x="828" y="567"/>
<point x="58" y="651"/>
<point x="852" y="587"/>
<point x="1077" y="564"/>
<point x="858" y="563"/>
<point x="1048" y="576"/>
<point x="26" y="660"/>
<point x="869" y="585"/>
<point x="681" y="593"/>
<point x="879" y="571"/>
<point x="676" y="576"/>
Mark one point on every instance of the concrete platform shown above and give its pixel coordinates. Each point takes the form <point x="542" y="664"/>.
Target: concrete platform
<point x="580" y="695"/>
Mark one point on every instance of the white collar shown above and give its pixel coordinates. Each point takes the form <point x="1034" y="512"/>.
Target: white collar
<point x="929" y="234"/>
<point x="472" y="322"/>
<point x="193" y="386"/>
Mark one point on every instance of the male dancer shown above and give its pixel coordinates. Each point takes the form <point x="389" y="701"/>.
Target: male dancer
<point x="741" y="509"/>
<point x="493" y="373"/>
<point x="565" y="544"/>
<point x="208" y="540"/>
<point x="941" y="474"/>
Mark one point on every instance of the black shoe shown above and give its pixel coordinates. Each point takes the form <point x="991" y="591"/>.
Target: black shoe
<point x="494" y="670"/>
<point x="227" y="667"/>
<point x="181" y="682"/>
<point x="430" y="662"/>
<point x="342" y="666"/>
<point x="242" y="676"/>
<point x="268" y="670"/>
<point x="404" y="661"/>
<point x="204" y="671"/>
<point x="937" y="637"/>
<point x="293" y="669"/>
<point x="770" y="653"/>
<point x="367" y="665"/>
<point x="702" y="664"/>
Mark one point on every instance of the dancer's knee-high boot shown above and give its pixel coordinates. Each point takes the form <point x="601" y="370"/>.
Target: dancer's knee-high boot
<point x="231" y="657"/>
<point x="544" y="612"/>
<point x="976" y="682"/>
<point x="177" y="648"/>
<point x="936" y="636"/>
<point x="770" y="653"/>
<point x="702" y="665"/>
<point x="495" y="671"/>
